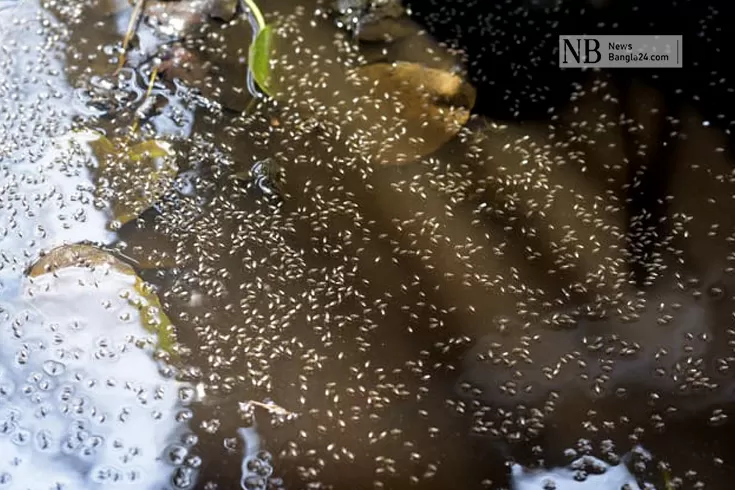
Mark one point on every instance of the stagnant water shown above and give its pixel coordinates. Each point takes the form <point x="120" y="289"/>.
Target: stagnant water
<point x="542" y="303"/>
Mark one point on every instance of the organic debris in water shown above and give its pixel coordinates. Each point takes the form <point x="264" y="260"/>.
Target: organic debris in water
<point x="374" y="20"/>
<point x="410" y="110"/>
<point x="266" y="175"/>
<point x="270" y="407"/>
<point x="152" y="316"/>
<point x="131" y="177"/>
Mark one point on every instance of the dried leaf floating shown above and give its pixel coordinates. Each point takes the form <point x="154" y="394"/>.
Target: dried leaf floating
<point x="407" y="110"/>
<point x="142" y="297"/>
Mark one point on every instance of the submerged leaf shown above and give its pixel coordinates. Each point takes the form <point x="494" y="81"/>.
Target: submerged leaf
<point x="383" y="29"/>
<point x="223" y="9"/>
<point x="259" y="59"/>
<point x="409" y="110"/>
<point x="140" y="180"/>
<point x="150" y="149"/>
<point x="98" y="142"/>
<point x="152" y="316"/>
<point x="668" y="484"/>
<point x="77" y="255"/>
<point x="132" y="178"/>
<point x="185" y="64"/>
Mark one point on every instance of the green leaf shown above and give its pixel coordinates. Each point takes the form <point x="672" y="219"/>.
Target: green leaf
<point x="259" y="59"/>
<point x="102" y="146"/>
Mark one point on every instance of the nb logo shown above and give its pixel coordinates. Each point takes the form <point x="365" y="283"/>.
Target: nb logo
<point x="590" y="48"/>
<point x="620" y="51"/>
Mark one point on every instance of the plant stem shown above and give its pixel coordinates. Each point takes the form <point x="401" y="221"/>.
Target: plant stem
<point x="154" y="74"/>
<point x="129" y="33"/>
<point x="259" y="19"/>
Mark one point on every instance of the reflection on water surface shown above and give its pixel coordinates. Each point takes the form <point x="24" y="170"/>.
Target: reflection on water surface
<point x="370" y="289"/>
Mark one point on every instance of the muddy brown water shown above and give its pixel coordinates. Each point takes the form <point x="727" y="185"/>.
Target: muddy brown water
<point x="484" y="317"/>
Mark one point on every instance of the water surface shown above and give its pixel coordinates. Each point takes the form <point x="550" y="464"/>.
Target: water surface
<point x="517" y="308"/>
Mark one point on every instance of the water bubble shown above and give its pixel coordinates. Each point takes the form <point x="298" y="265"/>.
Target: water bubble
<point x="54" y="368"/>
<point x="106" y="475"/>
<point x="44" y="440"/>
<point x="253" y="482"/>
<point x="210" y="426"/>
<point x="187" y="394"/>
<point x="5" y="478"/>
<point x="193" y="461"/>
<point x="716" y="291"/>
<point x="21" y="437"/>
<point x="7" y="389"/>
<point x="259" y="467"/>
<point x="190" y="440"/>
<point x="7" y="427"/>
<point x="231" y="444"/>
<point x="176" y="454"/>
<point x="183" y="477"/>
<point x="184" y="415"/>
<point x="264" y="456"/>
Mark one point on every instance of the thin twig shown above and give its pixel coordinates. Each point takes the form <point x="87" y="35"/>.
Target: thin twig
<point x="154" y="74"/>
<point x="134" y="17"/>
<point x="272" y="407"/>
<point x="136" y="121"/>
